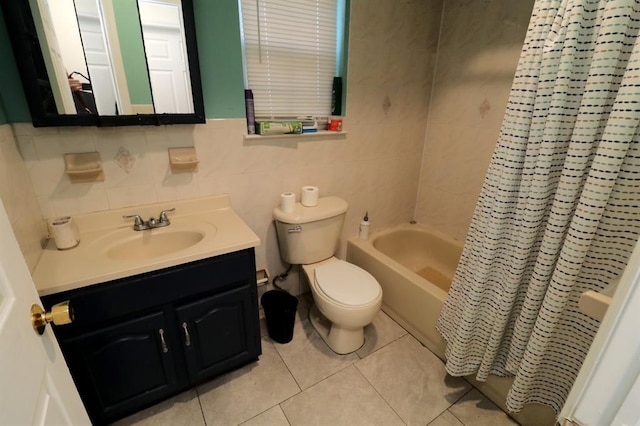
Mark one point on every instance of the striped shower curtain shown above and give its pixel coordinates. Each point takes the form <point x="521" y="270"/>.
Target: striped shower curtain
<point x="559" y="209"/>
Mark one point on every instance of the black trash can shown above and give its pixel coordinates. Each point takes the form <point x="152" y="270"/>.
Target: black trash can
<point x="280" y="311"/>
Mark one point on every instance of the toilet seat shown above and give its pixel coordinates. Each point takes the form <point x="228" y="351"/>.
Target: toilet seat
<point x="346" y="284"/>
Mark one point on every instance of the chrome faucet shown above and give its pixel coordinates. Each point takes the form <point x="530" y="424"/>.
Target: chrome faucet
<point x="141" y="225"/>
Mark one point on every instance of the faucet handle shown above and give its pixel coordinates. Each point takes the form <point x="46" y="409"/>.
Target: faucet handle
<point x="139" y="224"/>
<point x="163" y="215"/>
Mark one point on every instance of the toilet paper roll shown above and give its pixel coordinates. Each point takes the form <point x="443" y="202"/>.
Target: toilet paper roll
<point x="64" y="232"/>
<point x="310" y="196"/>
<point x="287" y="202"/>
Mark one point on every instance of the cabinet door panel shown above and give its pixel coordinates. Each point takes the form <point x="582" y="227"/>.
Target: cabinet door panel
<point x="214" y="333"/>
<point x="120" y="367"/>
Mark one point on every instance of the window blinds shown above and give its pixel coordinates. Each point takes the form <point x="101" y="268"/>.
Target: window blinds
<point x="290" y="54"/>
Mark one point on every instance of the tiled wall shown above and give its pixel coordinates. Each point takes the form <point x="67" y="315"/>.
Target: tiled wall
<point x="376" y="168"/>
<point x="19" y="198"/>
<point x="476" y="62"/>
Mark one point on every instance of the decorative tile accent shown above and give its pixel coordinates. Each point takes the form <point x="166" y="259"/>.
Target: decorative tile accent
<point x="386" y="104"/>
<point x="484" y="108"/>
<point x="124" y="159"/>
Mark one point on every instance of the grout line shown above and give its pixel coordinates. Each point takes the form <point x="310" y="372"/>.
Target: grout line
<point x="283" y="412"/>
<point x="381" y="347"/>
<point x="458" y="419"/>
<point x="287" y="367"/>
<point x="204" y="419"/>
<point x="381" y="396"/>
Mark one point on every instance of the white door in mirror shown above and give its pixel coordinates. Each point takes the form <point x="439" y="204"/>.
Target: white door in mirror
<point x="164" y="45"/>
<point x="97" y="58"/>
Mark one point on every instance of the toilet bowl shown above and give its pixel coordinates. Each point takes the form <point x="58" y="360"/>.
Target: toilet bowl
<point x="346" y="299"/>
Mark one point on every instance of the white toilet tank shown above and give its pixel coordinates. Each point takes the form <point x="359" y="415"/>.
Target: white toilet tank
<point x="310" y="234"/>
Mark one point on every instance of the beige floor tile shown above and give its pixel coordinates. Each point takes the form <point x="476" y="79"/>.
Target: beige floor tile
<point x="309" y="359"/>
<point x="382" y="331"/>
<point x="242" y="394"/>
<point x="475" y="409"/>
<point x="446" y="419"/>
<point x="412" y="380"/>
<point x="183" y="409"/>
<point x="303" y="308"/>
<point x="272" y="417"/>
<point x="346" y="398"/>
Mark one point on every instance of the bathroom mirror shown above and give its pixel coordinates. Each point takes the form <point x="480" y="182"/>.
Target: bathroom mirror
<point x="107" y="62"/>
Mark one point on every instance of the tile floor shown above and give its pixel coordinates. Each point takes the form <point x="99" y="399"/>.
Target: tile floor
<point x="391" y="380"/>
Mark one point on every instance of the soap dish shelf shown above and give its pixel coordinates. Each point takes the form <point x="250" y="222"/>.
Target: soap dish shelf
<point x="183" y="160"/>
<point x="84" y="167"/>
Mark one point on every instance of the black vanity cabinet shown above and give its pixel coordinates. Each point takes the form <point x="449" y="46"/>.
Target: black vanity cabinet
<point x="141" y="339"/>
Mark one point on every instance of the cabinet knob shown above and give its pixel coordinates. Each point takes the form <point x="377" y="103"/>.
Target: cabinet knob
<point x="60" y="314"/>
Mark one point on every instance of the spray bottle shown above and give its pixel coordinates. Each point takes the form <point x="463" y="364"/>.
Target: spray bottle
<point x="364" y="227"/>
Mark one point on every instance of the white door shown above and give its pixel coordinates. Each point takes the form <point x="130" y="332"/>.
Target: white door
<point x="97" y="57"/>
<point x="166" y="56"/>
<point x="52" y="57"/>
<point x="35" y="384"/>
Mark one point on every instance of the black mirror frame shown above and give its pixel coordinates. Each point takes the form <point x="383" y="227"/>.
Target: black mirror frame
<point x="28" y="57"/>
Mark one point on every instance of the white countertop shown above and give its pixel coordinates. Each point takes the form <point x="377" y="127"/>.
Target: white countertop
<point x="62" y="270"/>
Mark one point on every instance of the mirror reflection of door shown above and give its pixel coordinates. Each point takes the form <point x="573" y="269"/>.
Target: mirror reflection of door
<point x="123" y="62"/>
<point x="53" y="53"/>
<point x="97" y="57"/>
<point x="165" y="48"/>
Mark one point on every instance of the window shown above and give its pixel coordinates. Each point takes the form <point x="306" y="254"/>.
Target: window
<point x="291" y="52"/>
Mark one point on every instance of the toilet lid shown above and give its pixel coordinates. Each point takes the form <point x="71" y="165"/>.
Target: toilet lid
<point x="346" y="283"/>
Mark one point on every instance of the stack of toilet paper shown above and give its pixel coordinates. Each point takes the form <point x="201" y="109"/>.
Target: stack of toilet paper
<point x="64" y="232"/>
<point x="309" y="198"/>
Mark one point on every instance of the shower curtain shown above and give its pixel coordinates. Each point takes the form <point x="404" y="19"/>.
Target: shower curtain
<point x="558" y="213"/>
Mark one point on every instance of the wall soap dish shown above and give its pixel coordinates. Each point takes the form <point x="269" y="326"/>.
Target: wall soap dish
<point x="183" y="160"/>
<point x="84" y="167"/>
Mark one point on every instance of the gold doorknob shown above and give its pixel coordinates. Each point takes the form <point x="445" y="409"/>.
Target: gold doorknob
<point x="60" y="314"/>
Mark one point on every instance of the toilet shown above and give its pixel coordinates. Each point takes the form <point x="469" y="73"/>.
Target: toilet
<point x="346" y="297"/>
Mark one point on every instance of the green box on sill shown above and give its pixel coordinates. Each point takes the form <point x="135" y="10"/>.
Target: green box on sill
<point x="278" y="127"/>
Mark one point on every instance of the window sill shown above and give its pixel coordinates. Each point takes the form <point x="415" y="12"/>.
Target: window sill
<point x="321" y="134"/>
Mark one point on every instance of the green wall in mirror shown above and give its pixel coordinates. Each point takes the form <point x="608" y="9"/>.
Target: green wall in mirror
<point x="220" y="55"/>
<point x="132" y="48"/>
<point x="11" y="93"/>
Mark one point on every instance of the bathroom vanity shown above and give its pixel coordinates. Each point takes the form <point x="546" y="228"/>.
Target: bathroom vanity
<point x="189" y="312"/>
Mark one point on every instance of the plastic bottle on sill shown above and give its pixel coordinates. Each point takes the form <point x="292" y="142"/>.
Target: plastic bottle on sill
<point x="251" y="117"/>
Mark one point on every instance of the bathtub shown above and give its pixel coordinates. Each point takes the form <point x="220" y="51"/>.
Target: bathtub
<point x="414" y="266"/>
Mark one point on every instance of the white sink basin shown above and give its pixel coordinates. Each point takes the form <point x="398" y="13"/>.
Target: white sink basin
<point x="128" y="245"/>
<point x="149" y="245"/>
<point x="110" y="249"/>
